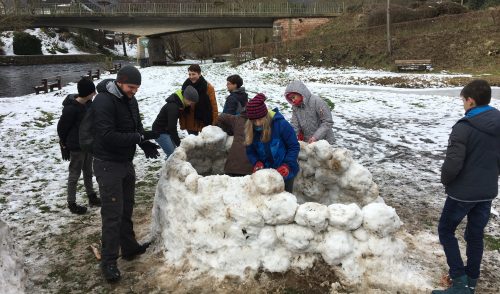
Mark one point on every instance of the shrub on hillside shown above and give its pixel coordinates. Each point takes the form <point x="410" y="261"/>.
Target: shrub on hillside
<point x="450" y="8"/>
<point x="26" y="44"/>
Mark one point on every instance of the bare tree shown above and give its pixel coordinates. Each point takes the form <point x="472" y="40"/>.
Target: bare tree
<point x="173" y="48"/>
<point x="123" y="44"/>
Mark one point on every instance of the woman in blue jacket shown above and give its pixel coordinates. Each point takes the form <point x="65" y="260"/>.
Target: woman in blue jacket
<point x="271" y="141"/>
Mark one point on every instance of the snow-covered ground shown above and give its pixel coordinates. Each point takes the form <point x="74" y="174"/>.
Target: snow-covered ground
<point x="399" y="135"/>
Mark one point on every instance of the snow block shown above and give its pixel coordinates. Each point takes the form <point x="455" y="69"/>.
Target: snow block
<point x="12" y="276"/>
<point x="380" y="219"/>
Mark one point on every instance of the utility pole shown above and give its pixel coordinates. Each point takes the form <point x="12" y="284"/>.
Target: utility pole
<point x="389" y="50"/>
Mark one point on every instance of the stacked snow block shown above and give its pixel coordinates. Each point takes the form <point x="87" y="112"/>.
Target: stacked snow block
<point x="224" y="225"/>
<point x="12" y="277"/>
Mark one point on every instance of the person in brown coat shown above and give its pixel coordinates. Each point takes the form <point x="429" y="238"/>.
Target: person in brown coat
<point x="205" y="112"/>
<point x="237" y="163"/>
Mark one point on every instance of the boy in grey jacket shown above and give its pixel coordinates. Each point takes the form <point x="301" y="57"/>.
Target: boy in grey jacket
<point x="311" y="116"/>
<point x="470" y="176"/>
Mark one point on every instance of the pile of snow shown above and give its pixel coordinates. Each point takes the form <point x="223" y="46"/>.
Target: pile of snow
<point x="223" y="225"/>
<point x="12" y="278"/>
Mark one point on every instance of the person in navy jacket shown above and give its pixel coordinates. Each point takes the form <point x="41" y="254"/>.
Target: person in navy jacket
<point x="271" y="141"/>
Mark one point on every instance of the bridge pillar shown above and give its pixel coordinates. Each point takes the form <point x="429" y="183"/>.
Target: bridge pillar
<point x="156" y="49"/>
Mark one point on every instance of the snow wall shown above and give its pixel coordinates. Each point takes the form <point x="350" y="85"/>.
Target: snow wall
<point x="223" y="225"/>
<point x="12" y="278"/>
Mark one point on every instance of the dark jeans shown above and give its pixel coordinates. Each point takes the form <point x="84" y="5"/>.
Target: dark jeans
<point x="79" y="161"/>
<point x="117" y="188"/>
<point x="289" y="185"/>
<point x="478" y="214"/>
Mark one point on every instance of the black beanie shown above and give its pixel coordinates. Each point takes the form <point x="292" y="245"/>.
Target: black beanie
<point x="85" y="87"/>
<point x="129" y="75"/>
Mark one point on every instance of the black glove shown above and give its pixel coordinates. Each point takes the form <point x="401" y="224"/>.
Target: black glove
<point x="148" y="135"/>
<point x="150" y="149"/>
<point x="64" y="152"/>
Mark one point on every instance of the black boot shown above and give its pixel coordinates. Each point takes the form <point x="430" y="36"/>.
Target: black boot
<point x="94" y="200"/>
<point x="77" y="209"/>
<point x="110" y="272"/>
<point x="140" y="250"/>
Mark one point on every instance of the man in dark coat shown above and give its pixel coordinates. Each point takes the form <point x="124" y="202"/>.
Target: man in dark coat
<point x="470" y="176"/>
<point x="75" y="107"/>
<point x="165" y="123"/>
<point x="118" y="129"/>
<point x="238" y="98"/>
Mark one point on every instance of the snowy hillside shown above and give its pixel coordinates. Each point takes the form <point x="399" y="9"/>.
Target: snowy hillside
<point x="399" y="135"/>
<point x="50" y="41"/>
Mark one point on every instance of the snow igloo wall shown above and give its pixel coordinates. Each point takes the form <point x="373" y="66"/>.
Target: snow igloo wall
<point x="224" y="225"/>
<point x="12" y="277"/>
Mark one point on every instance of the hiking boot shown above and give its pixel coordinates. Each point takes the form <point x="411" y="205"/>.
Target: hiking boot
<point x="140" y="250"/>
<point x="94" y="200"/>
<point x="110" y="272"/>
<point x="458" y="286"/>
<point x="77" y="209"/>
<point x="472" y="284"/>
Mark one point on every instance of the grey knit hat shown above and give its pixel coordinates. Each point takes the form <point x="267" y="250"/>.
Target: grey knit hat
<point x="191" y="94"/>
<point x="129" y="75"/>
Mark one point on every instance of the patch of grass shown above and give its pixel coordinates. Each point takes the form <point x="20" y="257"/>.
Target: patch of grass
<point x="45" y="209"/>
<point x="491" y="242"/>
<point x="330" y="103"/>
<point x="2" y="200"/>
<point x="44" y="120"/>
<point x="2" y="116"/>
<point x="418" y="104"/>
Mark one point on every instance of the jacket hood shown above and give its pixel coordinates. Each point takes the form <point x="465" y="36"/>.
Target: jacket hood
<point x="70" y="99"/>
<point x="487" y="121"/>
<point x="275" y="113"/>
<point x="240" y="90"/>
<point x="174" y="98"/>
<point x="298" y="87"/>
<point x="109" y="86"/>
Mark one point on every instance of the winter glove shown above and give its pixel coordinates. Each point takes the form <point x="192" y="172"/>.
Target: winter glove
<point x="283" y="170"/>
<point x="64" y="152"/>
<point x="311" y="140"/>
<point x="300" y="136"/>
<point x="257" y="166"/>
<point x="148" y="135"/>
<point x="150" y="149"/>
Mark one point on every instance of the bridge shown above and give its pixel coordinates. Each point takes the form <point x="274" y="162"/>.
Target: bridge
<point x="157" y="19"/>
<point x="154" y="19"/>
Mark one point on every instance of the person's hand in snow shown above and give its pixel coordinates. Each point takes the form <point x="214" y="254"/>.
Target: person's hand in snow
<point x="257" y="166"/>
<point x="150" y="149"/>
<point x="283" y="170"/>
<point x="311" y="140"/>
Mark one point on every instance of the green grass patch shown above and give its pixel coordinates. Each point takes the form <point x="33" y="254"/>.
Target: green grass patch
<point x="491" y="242"/>
<point x="44" y="120"/>
<point x="418" y="105"/>
<point x="45" y="209"/>
<point x="3" y="116"/>
<point x="3" y="200"/>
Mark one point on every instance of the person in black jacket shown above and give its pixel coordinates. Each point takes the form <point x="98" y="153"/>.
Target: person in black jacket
<point x="165" y="123"/>
<point x="74" y="109"/>
<point x="118" y="129"/>
<point x="470" y="176"/>
<point x="238" y="98"/>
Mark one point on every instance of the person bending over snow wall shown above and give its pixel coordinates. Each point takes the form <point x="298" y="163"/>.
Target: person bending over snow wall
<point x="165" y="123"/>
<point x="311" y="116"/>
<point x="271" y="141"/>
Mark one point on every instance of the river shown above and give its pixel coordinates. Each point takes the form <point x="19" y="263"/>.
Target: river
<point x="20" y="80"/>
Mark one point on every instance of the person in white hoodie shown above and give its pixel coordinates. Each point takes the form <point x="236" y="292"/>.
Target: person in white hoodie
<point x="311" y="116"/>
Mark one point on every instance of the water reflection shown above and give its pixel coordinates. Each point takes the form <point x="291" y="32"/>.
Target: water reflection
<point x="20" y="80"/>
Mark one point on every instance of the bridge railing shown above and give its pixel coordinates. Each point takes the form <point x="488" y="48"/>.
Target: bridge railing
<point x="187" y="9"/>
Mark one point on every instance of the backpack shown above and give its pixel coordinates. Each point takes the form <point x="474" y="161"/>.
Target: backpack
<point x="86" y="131"/>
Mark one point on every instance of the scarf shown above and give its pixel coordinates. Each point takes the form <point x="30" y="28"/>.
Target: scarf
<point x="203" y="109"/>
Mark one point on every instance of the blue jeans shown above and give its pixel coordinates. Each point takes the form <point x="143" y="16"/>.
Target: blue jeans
<point x="166" y="144"/>
<point x="478" y="214"/>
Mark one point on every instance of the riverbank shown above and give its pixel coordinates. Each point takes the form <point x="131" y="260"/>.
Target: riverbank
<point x="400" y="137"/>
<point x="50" y="59"/>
